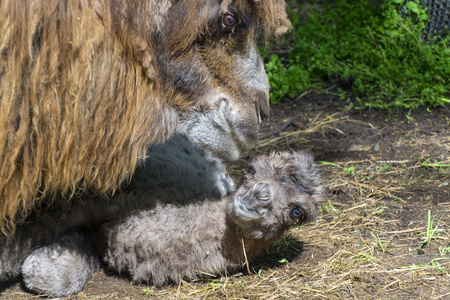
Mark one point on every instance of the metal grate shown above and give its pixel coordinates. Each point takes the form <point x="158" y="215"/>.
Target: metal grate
<point x="439" y="14"/>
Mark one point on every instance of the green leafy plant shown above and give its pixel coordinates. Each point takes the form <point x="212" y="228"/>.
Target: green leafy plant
<point x="376" y="47"/>
<point x="384" y="168"/>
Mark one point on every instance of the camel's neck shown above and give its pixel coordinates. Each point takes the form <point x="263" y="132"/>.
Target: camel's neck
<point x="237" y="246"/>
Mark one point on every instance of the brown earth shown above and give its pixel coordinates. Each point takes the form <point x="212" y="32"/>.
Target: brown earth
<point x="384" y="173"/>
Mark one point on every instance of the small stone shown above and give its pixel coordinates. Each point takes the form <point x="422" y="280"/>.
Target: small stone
<point x="445" y="183"/>
<point x="373" y="131"/>
<point x="376" y="147"/>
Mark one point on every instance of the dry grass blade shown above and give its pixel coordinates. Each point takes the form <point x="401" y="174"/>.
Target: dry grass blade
<point x="245" y="256"/>
<point x="314" y="127"/>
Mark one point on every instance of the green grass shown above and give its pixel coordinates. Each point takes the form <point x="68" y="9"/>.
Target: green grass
<point x="379" y="210"/>
<point x="328" y="207"/>
<point x="430" y="232"/>
<point x="372" y="46"/>
<point x="379" y="244"/>
<point x="430" y="165"/>
<point x="444" y="249"/>
<point x="350" y="170"/>
<point x="433" y="263"/>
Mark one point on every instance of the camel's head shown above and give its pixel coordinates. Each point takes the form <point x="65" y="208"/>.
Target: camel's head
<point x="279" y="191"/>
<point x="208" y="67"/>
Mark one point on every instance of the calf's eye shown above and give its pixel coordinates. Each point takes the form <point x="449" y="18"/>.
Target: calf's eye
<point x="296" y="213"/>
<point x="228" y="19"/>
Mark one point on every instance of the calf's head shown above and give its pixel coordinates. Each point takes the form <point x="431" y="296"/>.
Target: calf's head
<point x="279" y="191"/>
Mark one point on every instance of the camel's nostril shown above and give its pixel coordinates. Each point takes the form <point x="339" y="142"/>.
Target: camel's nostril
<point x="258" y="113"/>
<point x="262" y="117"/>
<point x="262" y="106"/>
<point x="264" y="198"/>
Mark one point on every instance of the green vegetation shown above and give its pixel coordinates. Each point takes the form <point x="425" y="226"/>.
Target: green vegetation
<point x="147" y="291"/>
<point x="379" y="210"/>
<point x="433" y="263"/>
<point x="430" y="231"/>
<point x="278" y="248"/>
<point x="366" y="254"/>
<point x="384" y="168"/>
<point x="369" y="45"/>
<point x="329" y="207"/>
<point x="379" y="243"/>
<point x="430" y="166"/>
<point x="444" y="249"/>
<point x="214" y="284"/>
<point x="350" y="170"/>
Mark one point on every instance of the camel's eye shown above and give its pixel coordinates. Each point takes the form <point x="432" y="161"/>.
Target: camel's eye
<point x="228" y="19"/>
<point x="296" y="213"/>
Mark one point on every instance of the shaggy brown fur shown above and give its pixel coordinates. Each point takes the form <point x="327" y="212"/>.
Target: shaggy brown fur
<point x="87" y="85"/>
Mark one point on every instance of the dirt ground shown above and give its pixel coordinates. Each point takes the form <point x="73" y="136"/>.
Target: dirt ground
<point x="384" y="232"/>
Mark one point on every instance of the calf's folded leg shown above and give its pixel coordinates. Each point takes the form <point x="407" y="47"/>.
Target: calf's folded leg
<point x="62" y="267"/>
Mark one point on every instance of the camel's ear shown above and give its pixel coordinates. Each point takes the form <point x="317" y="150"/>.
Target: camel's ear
<point x="273" y="17"/>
